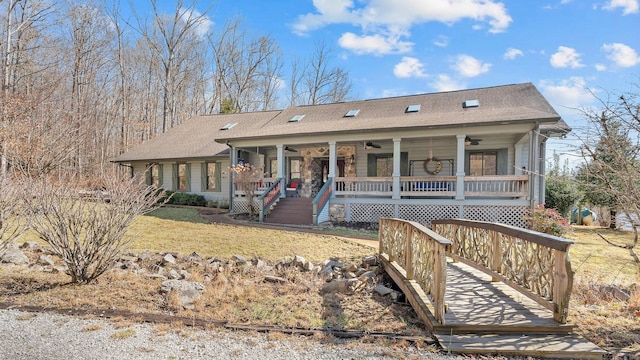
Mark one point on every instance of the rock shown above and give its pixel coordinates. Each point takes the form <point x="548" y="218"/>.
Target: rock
<point x="367" y="276"/>
<point x="157" y="276"/>
<point x="260" y="264"/>
<point x="383" y="290"/>
<point x="188" y="291"/>
<point x="350" y="275"/>
<point x="173" y="274"/>
<point x="14" y="256"/>
<point x="344" y="286"/>
<point x="45" y="260"/>
<point x="239" y="259"/>
<point x="351" y="268"/>
<point x="184" y="274"/>
<point x="275" y="279"/>
<point x="299" y="261"/>
<point x="369" y="261"/>
<point x="617" y="293"/>
<point x="308" y="266"/>
<point x="333" y="263"/>
<point x="169" y="259"/>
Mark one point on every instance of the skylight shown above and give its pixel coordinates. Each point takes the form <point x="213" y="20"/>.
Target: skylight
<point x="413" y="108"/>
<point x="229" y="126"/>
<point x="471" y="103"/>
<point x="296" y="118"/>
<point x="352" y="113"/>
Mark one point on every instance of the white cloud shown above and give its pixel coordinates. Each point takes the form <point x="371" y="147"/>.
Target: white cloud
<point x="512" y="53"/>
<point x="392" y="19"/>
<point x="204" y="23"/>
<point x="571" y="93"/>
<point x="468" y="66"/>
<point x="409" y="67"/>
<point x="441" y="41"/>
<point x="601" y="67"/>
<point x="373" y="44"/>
<point x="446" y="83"/>
<point x="621" y="54"/>
<point x="628" y="6"/>
<point x="566" y="57"/>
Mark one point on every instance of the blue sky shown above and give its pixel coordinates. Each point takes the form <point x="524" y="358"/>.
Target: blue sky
<point x="568" y="48"/>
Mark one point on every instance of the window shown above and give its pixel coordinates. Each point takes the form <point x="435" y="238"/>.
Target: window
<point x="181" y="177"/>
<point x="381" y="165"/>
<point x="229" y="126"/>
<point x="296" y="118"/>
<point x="210" y="176"/>
<point x="413" y="108"/>
<point x="154" y="175"/>
<point x="483" y="163"/>
<point x="294" y="168"/>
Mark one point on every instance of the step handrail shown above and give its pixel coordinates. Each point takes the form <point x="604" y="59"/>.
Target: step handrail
<point x="269" y="197"/>
<point x="321" y="200"/>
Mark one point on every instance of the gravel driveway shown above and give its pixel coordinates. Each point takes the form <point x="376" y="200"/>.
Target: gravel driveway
<point x="26" y="335"/>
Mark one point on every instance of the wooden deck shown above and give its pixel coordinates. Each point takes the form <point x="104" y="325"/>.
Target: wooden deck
<point x="470" y="311"/>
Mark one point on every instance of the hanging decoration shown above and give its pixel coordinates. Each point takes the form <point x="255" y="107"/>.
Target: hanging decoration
<point x="432" y="165"/>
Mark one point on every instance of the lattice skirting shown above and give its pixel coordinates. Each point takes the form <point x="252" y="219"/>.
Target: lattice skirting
<point x="424" y="214"/>
<point x="240" y="205"/>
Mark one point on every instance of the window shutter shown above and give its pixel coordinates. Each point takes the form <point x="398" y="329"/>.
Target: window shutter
<point x="203" y="177"/>
<point x="160" y="175"/>
<point x="188" y="177"/>
<point x="218" y="176"/>
<point x="174" y="177"/>
<point x="502" y="162"/>
<point x="147" y="174"/>
<point x="404" y="164"/>
<point x="372" y="165"/>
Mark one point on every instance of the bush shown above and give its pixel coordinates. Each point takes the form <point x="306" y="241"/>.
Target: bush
<point x="180" y="198"/>
<point x="547" y="221"/>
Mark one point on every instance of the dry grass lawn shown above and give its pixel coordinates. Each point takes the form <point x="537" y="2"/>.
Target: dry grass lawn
<point x="245" y="298"/>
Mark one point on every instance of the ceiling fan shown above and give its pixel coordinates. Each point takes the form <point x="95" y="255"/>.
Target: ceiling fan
<point x="286" y="148"/>
<point x="369" y="145"/>
<point x="470" y="141"/>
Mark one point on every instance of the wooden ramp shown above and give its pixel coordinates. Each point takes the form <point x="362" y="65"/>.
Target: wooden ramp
<point x="485" y="317"/>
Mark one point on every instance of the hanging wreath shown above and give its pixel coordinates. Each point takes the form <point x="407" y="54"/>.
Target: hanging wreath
<point x="430" y="168"/>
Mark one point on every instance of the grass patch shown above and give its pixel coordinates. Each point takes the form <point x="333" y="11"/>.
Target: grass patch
<point x="177" y="214"/>
<point x="124" y="334"/>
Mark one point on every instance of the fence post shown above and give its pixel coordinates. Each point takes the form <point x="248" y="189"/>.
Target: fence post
<point x="562" y="285"/>
<point x="409" y="253"/>
<point x="439" y="282"/>
<point x="496" y="254"/>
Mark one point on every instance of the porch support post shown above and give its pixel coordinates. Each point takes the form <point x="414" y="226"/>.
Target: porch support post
<point x="280" y="157"/>
<point x="460" y="167"/>
<point x="542" y="171"/>
<point x="533" y="162"/>
<point x="396" y="168"/>
<point x="333" y="160"/>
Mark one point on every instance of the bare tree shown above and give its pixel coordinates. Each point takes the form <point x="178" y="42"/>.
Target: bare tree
<point x="88" y="229"/>
<point x="173" y="41"/>
<point x="247" y="70"/>
<point x="319" y="82"/>
<point x="611" y="151"/>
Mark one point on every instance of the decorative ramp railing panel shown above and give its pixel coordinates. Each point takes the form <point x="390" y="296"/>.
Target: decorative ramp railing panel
<point x="415" y="257"/>
<point x="535" y="264"/>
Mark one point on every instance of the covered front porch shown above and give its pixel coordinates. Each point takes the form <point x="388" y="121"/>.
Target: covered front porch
<point x="415" y="178"/>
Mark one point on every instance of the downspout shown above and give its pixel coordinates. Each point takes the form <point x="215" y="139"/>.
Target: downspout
<point x="231" y="150"/>
<point x="543" y="170"/>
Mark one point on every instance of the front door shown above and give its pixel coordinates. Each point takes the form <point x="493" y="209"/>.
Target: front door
<point x="320" y="173"/>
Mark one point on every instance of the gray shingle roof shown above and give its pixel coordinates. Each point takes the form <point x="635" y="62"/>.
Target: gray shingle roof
<point x="201" y="136"/>
<point x="498" y="104"/>
<point x="195" y="138"/>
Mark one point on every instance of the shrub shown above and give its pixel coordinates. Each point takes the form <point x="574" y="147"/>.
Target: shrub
<point x="180" y="198"/>
<point x="88" y="234"/>
<point x="547" y="221"/>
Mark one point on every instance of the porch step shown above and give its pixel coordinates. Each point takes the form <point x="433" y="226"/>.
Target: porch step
<point x="291" y="211"/>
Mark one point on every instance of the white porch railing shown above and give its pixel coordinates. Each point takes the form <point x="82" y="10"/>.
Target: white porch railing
<point x="259" y="187"/>
<point x="504" y="186"/>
